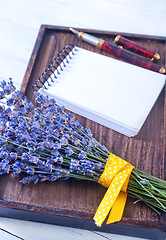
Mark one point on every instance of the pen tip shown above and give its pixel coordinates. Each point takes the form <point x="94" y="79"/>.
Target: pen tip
<point x="74" y="31"/>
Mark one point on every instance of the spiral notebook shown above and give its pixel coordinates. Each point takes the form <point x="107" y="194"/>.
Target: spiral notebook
<point x="115" y="94"/>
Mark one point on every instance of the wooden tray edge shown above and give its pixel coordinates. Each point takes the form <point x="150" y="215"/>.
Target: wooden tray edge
<point x="80" y="215"/>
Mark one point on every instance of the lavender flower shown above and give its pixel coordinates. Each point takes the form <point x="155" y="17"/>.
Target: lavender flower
<point x="12" y="156"/>
<point x="29" y="170"/>
<point x="25" y="157"/>
<point x="82" y="155"/>
<point x="69" y="151"/>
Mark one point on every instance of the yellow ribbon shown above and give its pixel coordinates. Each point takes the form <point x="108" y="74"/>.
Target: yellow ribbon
<point x="115" y="177"/>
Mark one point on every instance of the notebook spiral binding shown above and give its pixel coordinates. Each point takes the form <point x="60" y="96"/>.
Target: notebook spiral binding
<point x="52" y="69"/>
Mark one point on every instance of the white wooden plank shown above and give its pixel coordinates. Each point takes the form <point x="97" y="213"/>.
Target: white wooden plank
<point x="122" y="16"/>
<point x="16" y="45"/>
<point x="6" y="236"/>
<point x="12" y="68"/>
<point x="34" y="231"/>
<point x="16" y="40"/>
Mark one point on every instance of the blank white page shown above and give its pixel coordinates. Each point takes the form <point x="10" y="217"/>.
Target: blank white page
<point x="100" y="87"/>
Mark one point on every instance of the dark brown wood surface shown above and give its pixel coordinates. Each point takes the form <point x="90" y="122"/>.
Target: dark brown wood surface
<point x="146" y="151"/>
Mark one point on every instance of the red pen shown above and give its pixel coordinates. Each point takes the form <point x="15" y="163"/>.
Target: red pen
<point x="135" y="48"/>
<point x="119" y="53"/>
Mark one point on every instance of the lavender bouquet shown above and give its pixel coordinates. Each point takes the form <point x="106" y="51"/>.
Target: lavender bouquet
<point x="43" y="142"/>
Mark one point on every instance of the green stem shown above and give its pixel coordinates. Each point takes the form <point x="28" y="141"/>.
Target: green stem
<point x="146" y="190"/>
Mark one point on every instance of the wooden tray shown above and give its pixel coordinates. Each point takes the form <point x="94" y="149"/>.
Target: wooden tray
<point x="146" y="151"/>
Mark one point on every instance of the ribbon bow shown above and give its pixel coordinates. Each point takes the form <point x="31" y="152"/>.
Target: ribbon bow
<point x="115" y="177"/>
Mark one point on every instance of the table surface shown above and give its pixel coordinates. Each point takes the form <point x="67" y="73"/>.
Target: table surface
<point x="19" y="25"/>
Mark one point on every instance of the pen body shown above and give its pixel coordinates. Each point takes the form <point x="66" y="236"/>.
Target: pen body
<point x="135" y="48"/>
<point x="130" y="57"/>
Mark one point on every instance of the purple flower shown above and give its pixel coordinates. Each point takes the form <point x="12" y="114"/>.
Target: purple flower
<point x="69" y="151"/>
<point x="55" y="133"/>
<point x="2" y="108"/>
<point x="53" y="178"/>
<point x="59" y="159"/>
<point x="4" y="166"/>
<point x="3" y="153"/>
<point x="48" y="121"/>
<point x="7" y="88"/>
<point x="74" y="165"/>
<point x="8" y="113"/>
<point x="59" y="127"/>
<point x="10" y="133"/>
<point x="16" y="170"/>
<point x="102" y="147"/>
<point x="25" y="137"/>
<point x="64" y="141"/>
<point x="40" y="146"/>
<point x="73" y="123"/>
<point x="55" y="153"/>
<point x="76" y="141"/>
<point x="42" y="177"/>
<point x="31" y="143"/>
<point x="88" y="132"/>
<point x="2" y="94"/>
<point x="17" y="164"/>
<point x="10" y="101"/>
<point x="13" y="122"/>
<point x="24" y="128"/>
<point x="39" y="98"/>
<point x="20" y="150"/>
<point x="3" y="125"/>
<point x="26" y="180"/>
<point x="90" y="172"/>
<point x="60" y="108"/>
<point x="40" y="164"/>
<point x="70" y="131"/>
<point x="88" y="149"/>
<point x="97" y="166"/>
<point x="70" y="116"/>
<point x="3" y="84"/>
<point x="12" y="156"/>
<point x="52" y="109"/>
<point x="25" y="157"/>
<point x="48" y="167"/>
<point x="57" y="145"/>
<point x="35" y="179"/>
<point x="144" y="181"/>
<point x="33" y="159"/>
<point x="82" y="155"/>
<point x="79" y="126"/>
<point x="48" y="144"/>
<point x="29" y="170"/>
<point x="17" y="97"/>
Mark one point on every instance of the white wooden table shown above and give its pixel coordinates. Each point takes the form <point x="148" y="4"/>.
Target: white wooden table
<point x="20" y="21"/>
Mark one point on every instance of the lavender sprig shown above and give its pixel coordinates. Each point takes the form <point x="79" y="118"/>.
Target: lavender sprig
<point x="45" y="143"/>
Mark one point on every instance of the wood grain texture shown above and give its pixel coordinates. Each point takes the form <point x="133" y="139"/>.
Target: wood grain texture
<point x="146" y="151"/>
